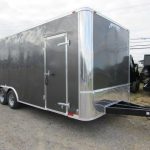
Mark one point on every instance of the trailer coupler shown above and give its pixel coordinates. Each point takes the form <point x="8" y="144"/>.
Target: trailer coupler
<point x="122" y="108"/>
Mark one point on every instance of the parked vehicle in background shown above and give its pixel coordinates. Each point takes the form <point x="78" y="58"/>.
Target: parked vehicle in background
<point x="140" y="65"/>
<point x="134" y="76"/>
<point x="145" y="74"/>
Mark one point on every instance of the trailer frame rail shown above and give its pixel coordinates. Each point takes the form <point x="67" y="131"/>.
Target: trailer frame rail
<point x="123" y="108"/>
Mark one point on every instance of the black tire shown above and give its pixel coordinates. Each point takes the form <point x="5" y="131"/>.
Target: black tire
<point x="3" y="99"/>
<point x="135" y="87"/>
<point x="12" y="100"/>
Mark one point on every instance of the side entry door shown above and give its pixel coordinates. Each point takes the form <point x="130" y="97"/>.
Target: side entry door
<point x="56" y="73"/>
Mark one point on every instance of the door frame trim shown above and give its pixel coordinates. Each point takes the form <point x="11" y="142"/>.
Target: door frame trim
<point x="66" y="69"/>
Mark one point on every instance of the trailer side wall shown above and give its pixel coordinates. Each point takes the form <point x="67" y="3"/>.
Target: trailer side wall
<point x="22" y="61"/>
<point x="111" y="53"/>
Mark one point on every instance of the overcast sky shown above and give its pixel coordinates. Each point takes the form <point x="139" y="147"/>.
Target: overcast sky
<point x="18" y="15"/>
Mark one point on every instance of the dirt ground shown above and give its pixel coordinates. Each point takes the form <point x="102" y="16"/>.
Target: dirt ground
<point x="33" y="129"/>
<point x="141" y="97"/>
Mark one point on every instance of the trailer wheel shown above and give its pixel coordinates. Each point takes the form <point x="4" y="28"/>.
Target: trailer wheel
<point x="3" y="99"/>
<point x="12" y="100"/>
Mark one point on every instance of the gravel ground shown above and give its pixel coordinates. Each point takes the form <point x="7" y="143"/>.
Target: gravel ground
<point x="141" y="97"/>
<point x="33" y="129"/>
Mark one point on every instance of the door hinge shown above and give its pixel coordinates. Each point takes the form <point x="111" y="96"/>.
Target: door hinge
<point x="64" y="43"/>
<point x="64" y="105"/>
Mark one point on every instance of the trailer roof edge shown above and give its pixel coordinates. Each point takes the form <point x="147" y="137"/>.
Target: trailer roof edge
<point x="63" y="15"/>
<point x="39" y="24"/>
<point x="100" y="14"/>
<point x="84" y="9"/>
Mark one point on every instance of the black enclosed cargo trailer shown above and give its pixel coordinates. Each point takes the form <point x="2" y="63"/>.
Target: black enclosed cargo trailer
<point x="69" y="65"/>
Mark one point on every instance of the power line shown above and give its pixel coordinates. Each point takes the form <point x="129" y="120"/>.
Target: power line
<point x="136" y="42"/>
<point x="140" y="48"/>
<point x="140" y="45"/>
<point x="142" y="38"/>
<point x="129" y="7"/>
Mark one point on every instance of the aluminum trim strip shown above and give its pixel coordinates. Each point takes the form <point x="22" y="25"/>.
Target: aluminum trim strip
<point x="42" y="108"/>
<point x="84" y="9"/>
<point x="85" y="48"/>
<point x="92" y="118"/>
<point x="45" y="88"/>
<point x="79" y="67"/>
<point x="113" y="87"/>
<point x="104" y="89"/>
<point x="66" y="55"/>
<point x="129" y="66"/>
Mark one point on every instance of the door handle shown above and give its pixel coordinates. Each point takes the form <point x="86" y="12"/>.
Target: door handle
<point x="49" y="73"/>
<point x="46" y="75"/>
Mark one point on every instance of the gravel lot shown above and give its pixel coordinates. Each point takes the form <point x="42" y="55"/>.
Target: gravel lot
<point x="33" y="129"/>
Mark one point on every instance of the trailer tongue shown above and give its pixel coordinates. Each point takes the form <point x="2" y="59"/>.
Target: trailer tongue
<point x="122" y="108"/>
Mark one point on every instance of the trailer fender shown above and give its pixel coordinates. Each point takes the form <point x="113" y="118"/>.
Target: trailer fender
<point x="8" y="88"/>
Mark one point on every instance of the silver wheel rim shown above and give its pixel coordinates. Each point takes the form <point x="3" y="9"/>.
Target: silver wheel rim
<point x="1" y="96"/>
<point x="1" y="99"/>
<point x="11" y="100"/>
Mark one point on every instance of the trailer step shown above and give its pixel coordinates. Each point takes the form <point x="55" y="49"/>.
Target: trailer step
<point x="122" y="108"/>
